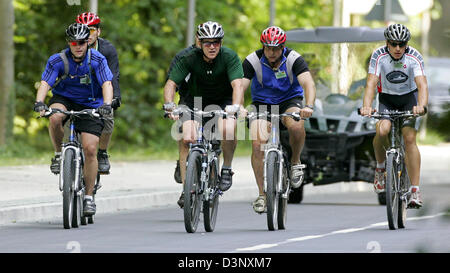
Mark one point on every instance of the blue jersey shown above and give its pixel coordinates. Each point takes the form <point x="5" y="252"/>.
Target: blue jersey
<point x="274" y="86"/>
<point x="77" y="85"/>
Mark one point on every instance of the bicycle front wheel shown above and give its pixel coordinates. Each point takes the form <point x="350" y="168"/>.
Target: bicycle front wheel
<point x="211" y="206"/>
<point x="392" y="191"/>
<point x="68" y="190"/>
<point x="272" y="189"/>
<point x="192" y="196"/>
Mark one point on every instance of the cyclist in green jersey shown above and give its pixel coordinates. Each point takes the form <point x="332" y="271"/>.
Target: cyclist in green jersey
<point x="217" y="72"/>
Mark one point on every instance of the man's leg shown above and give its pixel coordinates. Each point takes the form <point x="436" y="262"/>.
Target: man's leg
<point x="227" y="128"/>
<point x="259" y="133"/>
<point x="189" y="136"/>
<point x="105" y="138"/>
<point x="56" y="131"/>
<point x="55" y="127"/>
<point x="90" y="144"/>
<point x="412" y="161"/>
<point x="381" y="140"/>
<point x="380" y="145"/>
<point x="297" y="136"/>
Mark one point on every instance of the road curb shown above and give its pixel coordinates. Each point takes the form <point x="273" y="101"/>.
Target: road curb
<point x="113" y="204"/>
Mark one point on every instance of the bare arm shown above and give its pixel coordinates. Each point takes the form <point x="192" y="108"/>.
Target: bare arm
<point x="369" y="94"/>
<point x="238" y="91"/>
<point x="306" y="81"/>
<point x="169" y="91"/>
<point x="107" y="90"/>
<point x="422" y="96"/>
<point x="42" y="91"/>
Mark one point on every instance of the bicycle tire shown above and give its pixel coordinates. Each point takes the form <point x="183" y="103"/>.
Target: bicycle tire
<point x="272" y="189"/>
<point x="68" y="191"/>
<point x="392" y="196"/>
<point x="282" y="203"/>
<point x="211" y="206"/>
<point x="403" y="204"/>
<point x="191" y="192"/>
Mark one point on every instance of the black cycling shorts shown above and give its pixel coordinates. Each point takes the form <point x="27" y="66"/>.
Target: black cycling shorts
<point x="85" y="124"/>
<point x="401" y="103"/>
<point x="276" y="108"/>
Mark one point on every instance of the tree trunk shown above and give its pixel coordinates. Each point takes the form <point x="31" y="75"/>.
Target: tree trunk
<point x="6" y="69"/>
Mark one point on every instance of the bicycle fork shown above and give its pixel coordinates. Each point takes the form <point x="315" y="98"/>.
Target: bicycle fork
<point x="280" y="167"/>
<point x="77" y="159"/>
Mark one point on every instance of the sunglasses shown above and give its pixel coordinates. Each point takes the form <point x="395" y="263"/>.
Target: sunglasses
<point x="92" y="29"/>
<point x="400" y="44"/>
<point x="209" y="44"/>
<point x="75" y="43"/>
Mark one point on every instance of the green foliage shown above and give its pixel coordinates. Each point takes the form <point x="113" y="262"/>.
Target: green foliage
<point x="147" y="34"/>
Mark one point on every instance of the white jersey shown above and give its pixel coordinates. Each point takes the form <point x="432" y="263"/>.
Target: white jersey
<point x="396" y="77"/>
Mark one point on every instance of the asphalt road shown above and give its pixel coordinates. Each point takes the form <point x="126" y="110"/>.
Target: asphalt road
<point x="330" y="222"/>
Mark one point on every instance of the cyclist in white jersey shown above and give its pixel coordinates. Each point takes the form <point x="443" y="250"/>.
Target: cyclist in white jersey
<point x="396" y="71"/>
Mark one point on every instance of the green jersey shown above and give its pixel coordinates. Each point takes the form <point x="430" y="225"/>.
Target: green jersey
<point x="212" y="81"/>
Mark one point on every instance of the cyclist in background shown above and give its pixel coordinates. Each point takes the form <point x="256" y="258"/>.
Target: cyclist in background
<point x="182" y="90"/>
<point x="109" y="51"/>
<point x="280" y="77"/>
<point x="396" y="71"/>
<point x="217" y="74"/>
<point x="79" y="90"/>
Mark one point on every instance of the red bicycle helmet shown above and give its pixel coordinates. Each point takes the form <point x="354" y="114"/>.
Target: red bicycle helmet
<point x="88" y="18"/>
<point x="273" y="36"/>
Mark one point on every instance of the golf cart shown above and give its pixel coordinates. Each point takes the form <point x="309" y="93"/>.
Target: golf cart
<point x="338" y="145"/>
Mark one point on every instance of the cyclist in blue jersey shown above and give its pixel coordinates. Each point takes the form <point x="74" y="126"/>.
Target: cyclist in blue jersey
<point x="86" y="86"/>
<point x="280" y="79"/>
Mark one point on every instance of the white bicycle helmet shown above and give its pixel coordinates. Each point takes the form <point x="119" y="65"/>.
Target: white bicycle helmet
<point x="397" y="33"/>
<point x="210" y="30"/>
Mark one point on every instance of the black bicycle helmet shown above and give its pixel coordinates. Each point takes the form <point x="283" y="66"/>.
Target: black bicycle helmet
<point x="77" y="32"/>
<point x="397" y="33"/>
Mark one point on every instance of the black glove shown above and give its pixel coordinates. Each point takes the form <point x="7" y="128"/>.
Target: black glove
<point x="116" y="102"/>
<point x="105" y="109"/>
<point x="40" y="106"/>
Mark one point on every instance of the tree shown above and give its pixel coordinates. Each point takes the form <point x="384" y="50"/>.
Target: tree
<point x="6" y="69"/>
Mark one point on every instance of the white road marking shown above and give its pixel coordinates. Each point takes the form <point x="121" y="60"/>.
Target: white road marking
<point x="342" y="231"/>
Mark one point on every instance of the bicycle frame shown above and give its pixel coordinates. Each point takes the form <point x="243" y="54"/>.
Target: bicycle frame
<point x="275" y="146"/>
<point x="205" y="147"/>
<point x="74" y="145"/>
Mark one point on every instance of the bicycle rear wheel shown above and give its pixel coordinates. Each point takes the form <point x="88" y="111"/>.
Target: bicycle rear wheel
<point x="392" y="191"/>
<point x="68" y="190"/>
<point x="211" y="206"/>
<point x="272" y="189"/>
<point x="282" y="202"/>
<point x="405" y="183"/>
<point x="192" y="196"/>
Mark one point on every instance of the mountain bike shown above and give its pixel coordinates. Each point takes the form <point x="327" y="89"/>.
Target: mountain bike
<point x="71" y="180"/>
<point x="201" y="187"/>
<point x="397" y="178"/>
<point x="277" y="170"/>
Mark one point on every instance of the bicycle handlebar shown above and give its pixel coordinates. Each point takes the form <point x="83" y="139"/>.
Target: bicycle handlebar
<point x="294" y="115"/>
<point x="90" y="112"/>
<point x="392" y="113"/>
<point x="179" y="111"/>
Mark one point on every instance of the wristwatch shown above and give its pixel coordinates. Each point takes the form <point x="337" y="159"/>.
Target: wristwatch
<point x="310" y="106"/>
